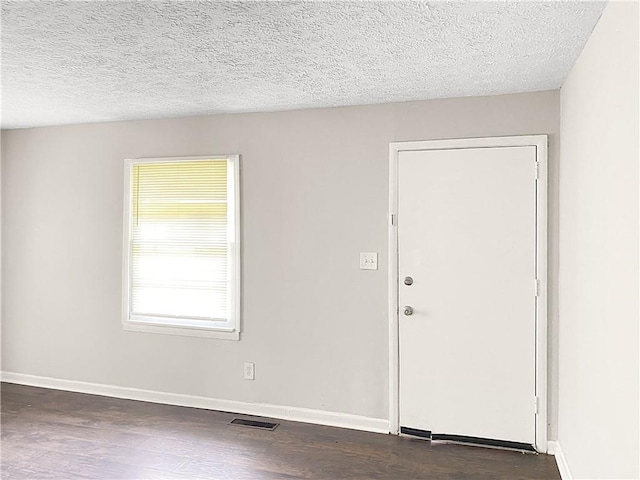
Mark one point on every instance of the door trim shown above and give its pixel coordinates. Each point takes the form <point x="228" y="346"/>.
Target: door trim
<point x="538" y="141"/>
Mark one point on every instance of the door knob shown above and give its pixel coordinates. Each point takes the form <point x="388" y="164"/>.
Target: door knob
<point x="408" y="310"/>
<point x="408" y="281"/>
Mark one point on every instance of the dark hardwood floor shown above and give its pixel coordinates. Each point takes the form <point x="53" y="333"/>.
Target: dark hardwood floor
<point x="56" y="434"/>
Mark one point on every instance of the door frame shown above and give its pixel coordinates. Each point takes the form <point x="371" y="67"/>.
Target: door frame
<point x="538" y="141"/>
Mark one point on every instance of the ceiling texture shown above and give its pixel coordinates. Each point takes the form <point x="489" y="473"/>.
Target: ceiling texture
<point x="67" y="62"/>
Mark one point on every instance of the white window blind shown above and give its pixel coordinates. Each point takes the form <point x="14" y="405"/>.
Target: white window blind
<point x="181" y="261"/>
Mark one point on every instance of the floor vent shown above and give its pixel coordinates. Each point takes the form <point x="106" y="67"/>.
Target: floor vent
<point x="243" y="422"/>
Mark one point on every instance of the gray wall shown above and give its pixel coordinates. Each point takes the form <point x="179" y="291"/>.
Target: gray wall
<point x="314" y="194"/>
<point x="598" y="416"/>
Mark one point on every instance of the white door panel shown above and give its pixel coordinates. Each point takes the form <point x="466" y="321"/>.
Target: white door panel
<point x="467" y="237"/>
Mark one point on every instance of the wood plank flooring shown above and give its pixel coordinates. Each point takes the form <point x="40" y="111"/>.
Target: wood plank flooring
<point x="56" y="434"/>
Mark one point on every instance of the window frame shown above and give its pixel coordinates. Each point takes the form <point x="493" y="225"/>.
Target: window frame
<point x="230" y="329"/>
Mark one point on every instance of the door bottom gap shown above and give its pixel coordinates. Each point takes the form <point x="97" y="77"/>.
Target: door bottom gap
<point x="466" y="440"/>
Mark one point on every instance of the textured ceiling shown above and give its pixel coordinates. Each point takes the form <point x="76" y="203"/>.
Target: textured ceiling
<point x="74" y="62"/>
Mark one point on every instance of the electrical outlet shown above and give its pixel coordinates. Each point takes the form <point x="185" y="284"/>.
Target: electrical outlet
<point x="368" y="261"/>
<point x="250" y="371"/>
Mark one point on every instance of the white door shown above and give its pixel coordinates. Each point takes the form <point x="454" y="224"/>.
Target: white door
<point x="467" y="238"/>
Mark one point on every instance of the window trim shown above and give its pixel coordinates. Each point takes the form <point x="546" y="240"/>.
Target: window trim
<point x="229" y="330"/>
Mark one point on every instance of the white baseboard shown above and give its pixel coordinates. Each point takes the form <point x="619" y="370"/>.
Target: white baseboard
<point x="296" y="414"/>
<point x="555" y="449"/>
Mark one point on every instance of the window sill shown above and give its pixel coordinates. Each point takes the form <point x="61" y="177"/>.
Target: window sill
<point x="181" y="330"/>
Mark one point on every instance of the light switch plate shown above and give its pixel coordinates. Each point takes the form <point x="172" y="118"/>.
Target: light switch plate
<point x="368" y="261"/>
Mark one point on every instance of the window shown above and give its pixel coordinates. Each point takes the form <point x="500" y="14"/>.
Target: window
<point x="181" y="246"/>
